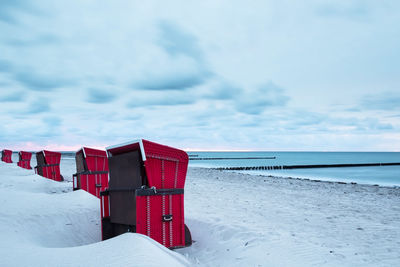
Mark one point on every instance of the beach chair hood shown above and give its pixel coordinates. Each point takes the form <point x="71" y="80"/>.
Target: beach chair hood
<point x="165" y="167"/>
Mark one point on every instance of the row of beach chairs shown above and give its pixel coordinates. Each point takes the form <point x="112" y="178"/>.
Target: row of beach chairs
<point x="140" y="185"/>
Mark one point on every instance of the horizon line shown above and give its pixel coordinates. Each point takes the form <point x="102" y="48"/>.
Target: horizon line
<point x="241" y="150"/>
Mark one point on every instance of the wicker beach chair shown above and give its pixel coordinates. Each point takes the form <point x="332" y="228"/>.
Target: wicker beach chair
<point x="91" y="171"/>
<point x="145" y="193"/>
<point x="6" y="156"/>
<point x="24" y="159"/>
<point x="48" y="165"/>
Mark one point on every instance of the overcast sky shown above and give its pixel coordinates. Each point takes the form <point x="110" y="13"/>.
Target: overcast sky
<point x="211" y="75"/>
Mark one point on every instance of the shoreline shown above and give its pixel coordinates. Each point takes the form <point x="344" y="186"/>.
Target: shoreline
<point x="313" y="179"/>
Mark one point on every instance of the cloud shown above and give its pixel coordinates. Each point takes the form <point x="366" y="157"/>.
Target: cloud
<point x="173" y="81"/>
<point x="255" y="101"/>
<point x="383" y="126"/>
<point x="346" y="9"/>
<point x="33" y="80"/>
<point x="221" y="90"/>
<point x="45" y="39"/>
<point x="175" y="41"/>
<point x="52" y="121"/>
<point x="306" y="118"/>
<point x="383" y="101"/>
<point x="171" y="98"/>
<point x="193" y="80"/>
<point x="356" y="124"/>
<point x="133" y="117"/>
<point x="7" y="8"/>
<point x="353" y="109"/>
<point x="48" y="128"/>
<point x="38" y="106"/>
<point x="375" y="124"/>
<point x="13" y="97"/>
<point x="38" y="82"/>
<point x="10" y="9"/>
<point x="100" y="96"/>
<point x="182" y="66"/>
<point x="5" y="66"/>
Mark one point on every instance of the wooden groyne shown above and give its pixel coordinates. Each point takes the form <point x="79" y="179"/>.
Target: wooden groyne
<point x="287" y="167"/>
<point x="231" y="158"/>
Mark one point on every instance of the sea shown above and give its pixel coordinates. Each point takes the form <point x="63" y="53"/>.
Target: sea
<point x="380" y="175"/>
<point x="375" y="175"/>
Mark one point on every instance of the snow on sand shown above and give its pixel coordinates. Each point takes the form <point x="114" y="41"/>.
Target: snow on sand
<point x="44" y="223"/>
<point x="235" y="220"/>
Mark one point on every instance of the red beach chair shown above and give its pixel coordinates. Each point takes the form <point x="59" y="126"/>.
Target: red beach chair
<point x="91" y="171"/>
<point x="145" y="193"/>
<point x="24" y="159"/>
<point x="48" y="165"/>
<point x="6" y="156"/>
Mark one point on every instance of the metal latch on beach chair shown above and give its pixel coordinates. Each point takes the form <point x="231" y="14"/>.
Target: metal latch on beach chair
<point x="167" y="218"/>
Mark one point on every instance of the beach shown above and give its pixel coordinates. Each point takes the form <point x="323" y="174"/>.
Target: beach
<point x="285" y="116"/>
<point x="246" y="220"/>
<point x="235" y="220"/>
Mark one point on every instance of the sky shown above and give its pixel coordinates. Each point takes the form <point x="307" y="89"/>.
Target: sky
<point x="311" y="75"/>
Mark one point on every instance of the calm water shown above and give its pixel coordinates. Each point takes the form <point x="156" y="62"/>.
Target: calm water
<point x="385" y="175"/>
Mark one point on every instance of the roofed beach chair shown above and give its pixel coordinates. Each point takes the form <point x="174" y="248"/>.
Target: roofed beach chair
<point x="6" y="156"/>
<point x="91" y="171"/>
<point x="145" y="193"/>
<point x="24" y="159"/>
<point x="48" y="165"/>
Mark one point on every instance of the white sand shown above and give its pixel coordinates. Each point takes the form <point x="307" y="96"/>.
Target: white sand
<point x="244" y="220"/>
<point x="44" y="223"/>
<point x="235" y="219"/>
